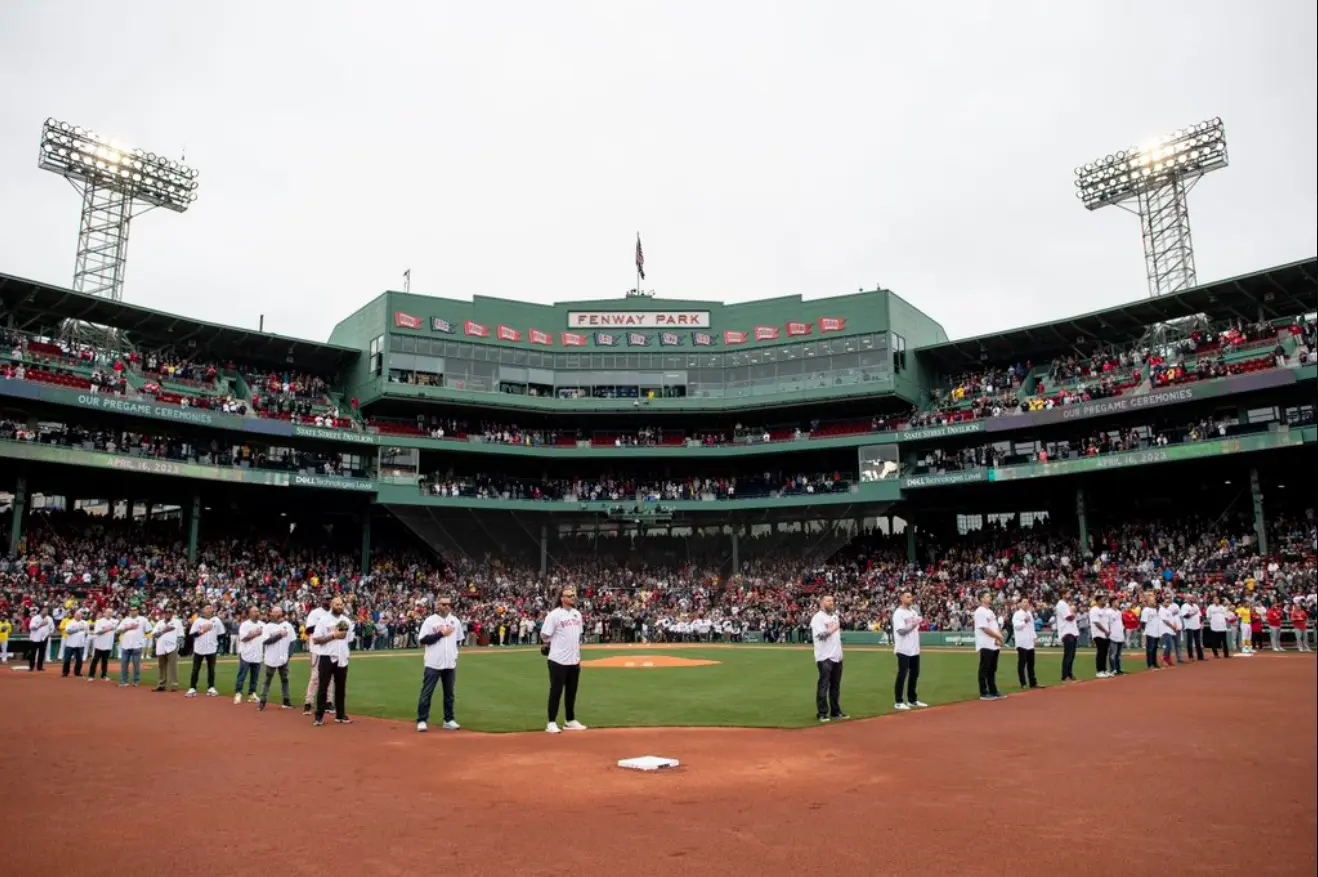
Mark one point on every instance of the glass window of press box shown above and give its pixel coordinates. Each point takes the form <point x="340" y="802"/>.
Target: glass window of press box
<point x="631" y="373"/>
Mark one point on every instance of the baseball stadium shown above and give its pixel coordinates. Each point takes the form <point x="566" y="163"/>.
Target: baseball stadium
<point x="491" y="585"/>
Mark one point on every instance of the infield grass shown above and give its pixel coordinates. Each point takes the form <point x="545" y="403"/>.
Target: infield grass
<point x="501" y="690"/>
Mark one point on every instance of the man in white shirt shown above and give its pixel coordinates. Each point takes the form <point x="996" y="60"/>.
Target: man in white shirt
<point x="561" y="638"/>
<point x="277" y="638"/>
<point x="1068" y="631"/>
<point x="1217" y="628"/>
<point x="166" y="632"/>
<point x="826" y="634"/>
<point x="1022" y="625"/>
<point x="988" y="642"/>
<point x="205" y="643"/>
<point x="40" y="627"/>
<point x="1099" y="625"/>
<point x="1193" y="621"/>
<point x="333" y="634"/>
<point x="906" y="643"/>
<point x="314" y="617"/>
<point x="1170" y="616"/>
<point x="440" y="635"/>
<point x="102" y="644"/>
<point x="1152" y="624"/>
<point x="132" y="642"/>
<point x="251" y="653"/>
<point x="75" y="642"/>
<point x="1116" y="639"/>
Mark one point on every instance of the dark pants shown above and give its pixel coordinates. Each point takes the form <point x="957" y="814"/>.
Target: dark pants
<point x="908" y="675"/>
<point x="331" y="672"/>
<point x="1068" y="656"/>
<point x="563" y="679"/>
<point x="1100" y="654"/>
<point x="73" y="655"/>
<point x="447" y="678"/>
<point x="1025" y="668"/>
<point x="988" y="672"/>
<point x="828" y="691"/>
<point x="247" y="672"/>
<point x="1218" y="639"/>
<point x="36" y="657"/>
<point x="283" y="683"/>
<point x="196" y="670"/>
<point x="1150" y="651"/>
<point x="101" y="656"/>
<point x="1194" y="644"/>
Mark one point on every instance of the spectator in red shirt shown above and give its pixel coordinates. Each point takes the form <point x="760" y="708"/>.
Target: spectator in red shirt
<point x="1276" y="615"/>
<point x="1300" y="622"/>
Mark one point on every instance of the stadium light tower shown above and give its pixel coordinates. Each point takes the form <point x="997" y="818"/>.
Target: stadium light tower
<point x="1152" y="182"/>
<point x="116" y="184"/>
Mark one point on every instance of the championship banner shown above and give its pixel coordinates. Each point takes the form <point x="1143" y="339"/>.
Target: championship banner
<point x="637" y="339"/>
<point x="703" y="339"/>
<point x="439" y="325"/>
<point x="832" y="324"/>
<point x="797" y="329"/>
<point x="670" y="339"/>
<point x="539" y="337"/>
<point x="732" y="337"/>
<point x="766" y="333"/>
<point x="573" y="339"/>
<point x="508" y="333"/>
<point x="605" y="339"/>
<point x="476" y="330"/>
<point x="406" y="321"/>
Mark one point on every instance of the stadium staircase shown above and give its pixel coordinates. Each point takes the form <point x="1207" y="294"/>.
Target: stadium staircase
<point x="458" y="535"/>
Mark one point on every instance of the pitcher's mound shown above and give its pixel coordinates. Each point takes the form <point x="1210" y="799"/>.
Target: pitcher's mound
<point x="646" y="662"/>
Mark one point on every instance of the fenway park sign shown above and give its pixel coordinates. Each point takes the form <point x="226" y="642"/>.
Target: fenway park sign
<point x="638" y="319"/>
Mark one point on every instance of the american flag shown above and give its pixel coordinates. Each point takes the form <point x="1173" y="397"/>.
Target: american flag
<point x="640" y="257"/>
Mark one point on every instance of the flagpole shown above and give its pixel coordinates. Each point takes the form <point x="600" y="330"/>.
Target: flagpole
<point x="638" y="264"/>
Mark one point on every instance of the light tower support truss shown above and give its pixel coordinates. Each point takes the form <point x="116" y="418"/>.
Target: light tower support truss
<point x="1153" y="182"/>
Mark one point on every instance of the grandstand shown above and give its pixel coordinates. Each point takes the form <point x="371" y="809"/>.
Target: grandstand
<point x="531" y="434"/>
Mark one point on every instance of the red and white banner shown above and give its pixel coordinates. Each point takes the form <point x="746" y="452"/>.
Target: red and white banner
<point x="407" y="321"/>
<point x="734" y="337"/>
<point x="538" y="337"/>
<point x="795" y="329"/>
<point x="573" y="339"/>
<point x="508" y="333"/>
<point x="476" y="330"/>
<point x="766" y="333"/>
<point x="832" y="324"/>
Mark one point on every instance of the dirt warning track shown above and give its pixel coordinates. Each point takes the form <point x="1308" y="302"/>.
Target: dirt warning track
<point x="969" y="789"/>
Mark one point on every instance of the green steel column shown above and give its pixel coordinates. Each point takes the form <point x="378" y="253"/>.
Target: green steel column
<point x="1260" y="521"/>
<point x="544" y="549"/>
<point x="366" y="543"/>
<point x="20" y="507"/>
<point x="911" y="556"/>
<point x="1082" y="518"/>
<point x="194" y="527"/>
<point x="736" y="551"/>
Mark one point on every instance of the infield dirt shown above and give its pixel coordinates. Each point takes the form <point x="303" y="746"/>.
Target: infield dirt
<point x="106" y="781"/>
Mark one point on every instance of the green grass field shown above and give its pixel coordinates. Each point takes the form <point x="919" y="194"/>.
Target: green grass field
<point x="759" y="687"/>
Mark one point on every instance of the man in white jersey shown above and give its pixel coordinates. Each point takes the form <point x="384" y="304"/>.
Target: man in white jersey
<point x="334" y="634"/>
<point x="102" y="644"/>
<point x="826" y="634"/>
<point x="1152" y="623"/>
<point x="277" y="638"/>
<point x="561" y="638"/>
<point x="166" y="633"/>
<point x="1192" y="621"/>
<point x="1068" y="631"/>
<point x="1022" y="625"/>
<point x="251" y="654"/>
<point x="132" y="642"/>
<point x="988" y="642"/>
<point x="1170" y="616"/>
<point x="1116" y="639"/>
<point x="205" y="643"/>
<point x="440" y="634"/>
<point x="1099" y="625"/>
<point x="75" y="642"/>
<point x="1218" y="625"/>
<point x="314" y="617"/>
<point x="40" y="626"/>
<point x="906" y="644"/>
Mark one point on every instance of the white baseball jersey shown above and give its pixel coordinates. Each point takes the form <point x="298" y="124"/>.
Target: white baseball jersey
<point x="562" y="628"/>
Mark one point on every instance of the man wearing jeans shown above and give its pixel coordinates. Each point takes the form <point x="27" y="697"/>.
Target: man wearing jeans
<point x="827" y="633"/>
<point x="988" y="643"/>
<point x="1192" y="618"/>
<point x="1170" y="616"/>
<point x="278" y="636"/>
<point x="1068" y="631"/>
<point x="75" y="642"/>
<point x="251" y="636"/>
<point x="906" y="643"/>
<point x="1116" y="639"/>
<point x="132" y="640"/>
<point x="440" y="635"/>
<point x="1152" y="622"/>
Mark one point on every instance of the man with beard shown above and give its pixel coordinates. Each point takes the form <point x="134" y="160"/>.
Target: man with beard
<point x="314" y="617"/>
<point x="440" y="635"/>
<point x="205" y="643"/>
<point x="333" y="634"/>
<point x="278" y="636"/>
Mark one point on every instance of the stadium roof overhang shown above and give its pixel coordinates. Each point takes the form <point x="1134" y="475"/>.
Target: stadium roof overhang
<point x="1271" y="294"/>
<point x="40" y="307"/>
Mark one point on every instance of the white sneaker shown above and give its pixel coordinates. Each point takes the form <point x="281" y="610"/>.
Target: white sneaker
<point x="192" y="692"/>
<point x="902" y="706"/>
<point x="452" y="726"/>
<point x="422" y="727"/>
<point x="252" y="698"/>
<point x="211" y="692"/>
<point x="553" y="728"/>
<point x="574" y="725"/>
<point x="919" y="703"/>
<point x="1100" y="675"/>
<point x="237" y="698"/>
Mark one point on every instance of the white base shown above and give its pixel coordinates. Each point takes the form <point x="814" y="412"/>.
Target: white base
<point x="648" y="763"/>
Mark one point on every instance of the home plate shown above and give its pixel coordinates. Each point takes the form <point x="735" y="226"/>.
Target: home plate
<point x="648" y="763"/>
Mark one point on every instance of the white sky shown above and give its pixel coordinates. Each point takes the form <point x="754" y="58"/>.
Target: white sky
<point x="515" y="148"/>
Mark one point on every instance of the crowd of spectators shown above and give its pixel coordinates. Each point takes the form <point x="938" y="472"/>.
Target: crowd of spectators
<point x="624" y="488"/>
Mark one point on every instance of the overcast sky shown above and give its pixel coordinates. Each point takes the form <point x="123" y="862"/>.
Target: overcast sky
<point x="515" y="148"/>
